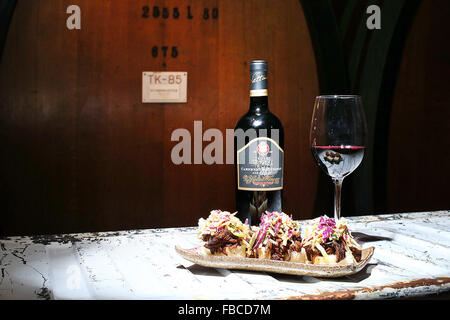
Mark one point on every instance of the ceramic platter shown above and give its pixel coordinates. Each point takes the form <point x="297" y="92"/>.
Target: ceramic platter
<point x="195" y="255"/>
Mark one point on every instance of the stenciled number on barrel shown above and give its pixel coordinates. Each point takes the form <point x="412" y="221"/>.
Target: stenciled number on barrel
<point x="164" y="12"/>
<point x="214" y="13"/>
<point x="164" y="49"/>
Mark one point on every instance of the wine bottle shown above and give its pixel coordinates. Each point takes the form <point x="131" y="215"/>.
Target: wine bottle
<point x="258" y="150"/>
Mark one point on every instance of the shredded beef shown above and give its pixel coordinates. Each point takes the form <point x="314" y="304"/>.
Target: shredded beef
<point x="218" y="242"/>
<point x="277" y="251"/>
<point x="332" y="247"/>
<point x="339" y="250"/>
<point x="356" y="253"/>
<point x="280" y="252"/>
<point x="329" y="248"/>
<point x="311" y="252"/>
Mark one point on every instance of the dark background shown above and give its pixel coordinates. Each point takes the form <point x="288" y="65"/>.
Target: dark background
<point x="81" y="152"/>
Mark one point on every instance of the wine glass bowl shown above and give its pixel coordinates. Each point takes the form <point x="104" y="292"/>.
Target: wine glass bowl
<point x="338" y="137"/>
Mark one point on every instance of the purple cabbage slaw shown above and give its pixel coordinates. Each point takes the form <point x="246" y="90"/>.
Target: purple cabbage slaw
<point x="327" y="226"/>
<point x="267" y="220"/>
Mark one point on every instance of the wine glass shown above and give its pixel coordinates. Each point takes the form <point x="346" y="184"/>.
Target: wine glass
<point x="338" y="138"/>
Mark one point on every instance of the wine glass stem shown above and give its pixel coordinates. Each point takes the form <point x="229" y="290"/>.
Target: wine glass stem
<point x="337" y="198"/>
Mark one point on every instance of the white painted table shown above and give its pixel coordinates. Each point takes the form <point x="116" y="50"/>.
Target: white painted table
<point x="143" y="264"/>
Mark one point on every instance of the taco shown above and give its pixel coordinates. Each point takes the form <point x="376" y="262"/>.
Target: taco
<point x="327" y="241"/>
<point x="278" y="238"/>
<point x="224" y="234"/>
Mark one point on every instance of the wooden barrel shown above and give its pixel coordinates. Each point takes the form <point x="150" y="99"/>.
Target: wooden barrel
<point x="416" y="175"/>
<point x="81" y="150"/>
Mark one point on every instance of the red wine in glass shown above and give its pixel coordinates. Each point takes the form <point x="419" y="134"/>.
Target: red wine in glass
<point x="338" y="138"/>
<point x="338" y="161"/>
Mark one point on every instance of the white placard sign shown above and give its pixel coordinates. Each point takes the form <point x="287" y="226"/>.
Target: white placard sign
<point x="164" y="87"/>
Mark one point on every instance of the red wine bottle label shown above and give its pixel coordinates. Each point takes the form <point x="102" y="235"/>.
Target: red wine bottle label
<point x="260" y="165"/>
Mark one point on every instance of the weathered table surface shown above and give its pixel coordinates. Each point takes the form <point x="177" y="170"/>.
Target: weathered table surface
<point x="412" y="260"/>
